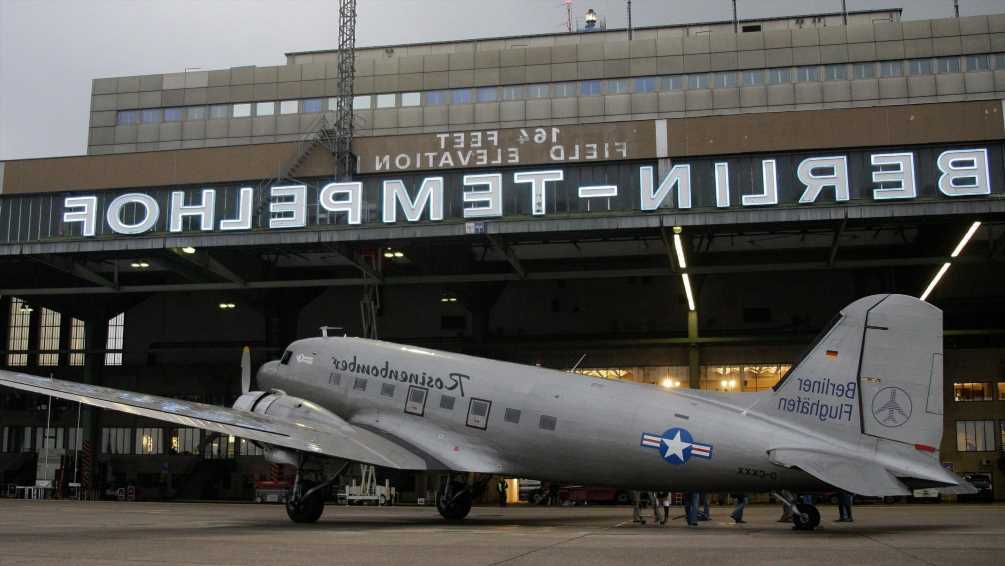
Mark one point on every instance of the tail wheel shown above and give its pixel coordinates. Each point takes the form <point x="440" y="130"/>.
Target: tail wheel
<point x="455" y="503"/>
<point x="306" y="510"/>
<point x="807" y="518"/>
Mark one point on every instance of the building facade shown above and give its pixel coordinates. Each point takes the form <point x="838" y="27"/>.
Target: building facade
<point x="685" y="209"/>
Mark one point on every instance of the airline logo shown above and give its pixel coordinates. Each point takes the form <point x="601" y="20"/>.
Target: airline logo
<point x="677" y="446"/>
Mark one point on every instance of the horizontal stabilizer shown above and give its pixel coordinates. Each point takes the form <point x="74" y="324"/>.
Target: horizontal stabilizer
<point x="347" y="441"/>
<point x="853" y="475"/>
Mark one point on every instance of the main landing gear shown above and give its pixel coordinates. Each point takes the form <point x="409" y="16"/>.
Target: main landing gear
<point x="306" y="501"/>
<point x="458" y="492"/>
<point x="805" y="516"/>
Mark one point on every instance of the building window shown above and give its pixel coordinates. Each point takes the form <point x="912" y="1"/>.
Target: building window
<point x="460" y="96"/>
<point x="116" y="440"/>
<point x="512" y="92"/>
<point x="919" y="67"/>
<point x="807" y="74"/>
<point x="312" y="105"/>
<point x="1001" y="390"/>
<point x="48" y="337"/>
<point x="697" y="81"/>
<point x="891" y="69"/>
<point x="219" y="112"/>
<point x="779" y="76"/>
<point x="249" y="448"/>
<point x="242" y="110"/>
<point x="753" y="78"/>
<point x="836" y="72"/>
<point x="127" y="117"/>
<point x="864" y="70"/>
<point x="512" y="416"/>
<point x="725" y="80"/>
<point x="361" y="102"/>
<point x="17" y="332"/>
<point x="548" y="422"/>
<point x="647" y="84"/>
<point x="196" y="113"/>
<point x="674" y="82"/>
<point x="359" y="384"/>
<point x="288" y="107"/>
<point x="151" y="115"/>
<point x="148" y="440"/>
<point x="619" y="86"/>
<point x="565" y="90"/>
<point x="1000" y="61"/>
<point x="185" y="441"/>
<point x="972" y="391"/>
<point x="975" y="436"/>
<point x="410" y="99"/>
<point x="948" y="64"/>
<point x="590" y="88"/>
<point x="74" y="438"/>
<point x="385" y="100"/>
<point x="447" y="402"/>
<point x="537" y="91"/>
<point x="436" y="98"/>
<point x="976" y="63"/>
<point x="221" y="448"/>
<point x="172" y="114"/>
<point x="387" y="389"/>
<point x="487" y="94"/>
<point x="265" y="108"/>
<point x="78" y="342"/>
<point x="116" y="335"/>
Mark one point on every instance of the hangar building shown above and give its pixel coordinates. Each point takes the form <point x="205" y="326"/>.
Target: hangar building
<point x="518" y="198"/>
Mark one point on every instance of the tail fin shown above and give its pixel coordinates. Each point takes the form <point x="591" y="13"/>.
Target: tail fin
<point x="873" y="378"/>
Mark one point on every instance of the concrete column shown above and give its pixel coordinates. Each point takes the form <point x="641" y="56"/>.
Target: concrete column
<point x="95" y="339"/>
<point x="4" y="326"/>
<point x="693" y="353"/>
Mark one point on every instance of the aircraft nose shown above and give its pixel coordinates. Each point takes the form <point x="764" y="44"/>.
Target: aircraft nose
<point x="268" y="376"/>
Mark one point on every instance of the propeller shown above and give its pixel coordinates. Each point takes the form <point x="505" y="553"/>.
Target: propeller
<point x="246" y="370"/>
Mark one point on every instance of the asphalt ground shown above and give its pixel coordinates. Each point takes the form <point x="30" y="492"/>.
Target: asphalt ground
<point x="92" y="533"/>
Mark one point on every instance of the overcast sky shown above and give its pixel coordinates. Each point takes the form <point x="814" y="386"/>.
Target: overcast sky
<point x="50" y="50"/>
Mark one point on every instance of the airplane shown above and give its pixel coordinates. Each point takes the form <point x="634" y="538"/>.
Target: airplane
<point x="860" y="412"/>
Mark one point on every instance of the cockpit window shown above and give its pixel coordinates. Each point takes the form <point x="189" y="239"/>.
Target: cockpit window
<point x="286" y="357"/>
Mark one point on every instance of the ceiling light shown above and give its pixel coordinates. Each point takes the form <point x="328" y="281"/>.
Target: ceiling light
<point x="679" y="246"/>
<point x="139" y="264"/>
<point x="399" y="254"/>
<point x="966" y="238"/>
<point x="188" y="250"/>
<point x="687" y="291"/>
<point x="227" y="306"/>
<point x="935" y="281"/>
<point x="389" y="254"/>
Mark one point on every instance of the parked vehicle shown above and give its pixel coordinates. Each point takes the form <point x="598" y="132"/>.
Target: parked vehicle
<point x="985" y="490"/>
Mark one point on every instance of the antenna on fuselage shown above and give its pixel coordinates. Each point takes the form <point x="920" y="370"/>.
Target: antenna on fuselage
<point x="575" y="367"/>
<point x="325" y="329"/>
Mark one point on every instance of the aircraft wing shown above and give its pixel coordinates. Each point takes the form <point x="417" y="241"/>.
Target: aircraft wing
<point x="348" y="442"/>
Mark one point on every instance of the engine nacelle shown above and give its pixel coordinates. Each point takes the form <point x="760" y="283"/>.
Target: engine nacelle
<point x="278" y="404"/>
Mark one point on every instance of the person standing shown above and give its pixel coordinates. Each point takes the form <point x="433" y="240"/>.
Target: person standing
<point x="661" y="500"/>
<point x="845" y="500"/>
<point x="691" y="502"/>
<point x="637" y="507"/>
<point x="741" y="503"/>
<point x="501" y="490"/>
<point x="705" y="514"/>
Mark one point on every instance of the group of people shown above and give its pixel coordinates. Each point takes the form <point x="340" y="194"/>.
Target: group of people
<point x="696" y="508"/>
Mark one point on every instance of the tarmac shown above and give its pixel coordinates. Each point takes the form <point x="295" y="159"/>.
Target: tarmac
<point x="93" y="533"/>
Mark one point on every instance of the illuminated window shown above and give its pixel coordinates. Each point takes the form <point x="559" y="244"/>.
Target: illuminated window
<point x="762" y="377"/>
<point x="864" y="70"/>
<point x="288" y="107"/>
<point x="919" y="67"/>
<point x="222" y="447"/>
<point x="674" y="82"/>
<point x="13" y="438"/>
<point x="151" y="115"/>
<point x="17" y="332"/>
<point x="619" y="86"/>
<point x="973" y="391"/>
<point x="116" y="334"/>
<point x="978" y="63"/>
<point x="126" y="117"/>
<point x="891" y="69"/>
<point x="74" y="438"/>
<point x="807" y="74"/>
<point x="386" y="100"/>
<point x="948" y="64"/>
<point x="116" y="440"/>
<point x="779" y="76"/>
<point x="512" y="92"/>
<point x="196" y="113"/>
<point x="837" y="72"/>
<point x="185" y="441"/>
<point x="148" y="440"/>
<point x="725" y="80"/>
<point x="460" y="96"/>
<point x="410" y="99"/>
<point x="242" y="110"/>
<point x="48" y="337"/>
<point x="361" y="102"/>
<point x="51" y="438"/>
<point x="753" y="78"/>
<point x="721" y="378"/>
<point x="173" y="114"/>
<point x="312" y="105"/>
<point x="1001" y="390"/>
<point x="487" y="94"/>
<point x="975" y="436"/>
<point x="265" y="108"/>
<point x="647" y="84"/>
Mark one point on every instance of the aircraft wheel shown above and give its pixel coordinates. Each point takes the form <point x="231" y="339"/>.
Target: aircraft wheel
<point x="455" y="504"/>
<point x="306" y="510"/>
<point x="807" y="519"/>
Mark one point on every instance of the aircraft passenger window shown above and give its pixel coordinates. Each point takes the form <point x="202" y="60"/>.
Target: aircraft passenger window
<point x="416" y="403"/>
<point x="387" y="390"/>
<point x="512" y="416"/>
<point x="359" y="384"/>
<point x="548" y="422"/>
<point x="478" y="413"/>
<point x="447" y="402"/>
<point x="286" y="357"/>
<point x="335" y="379"/>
